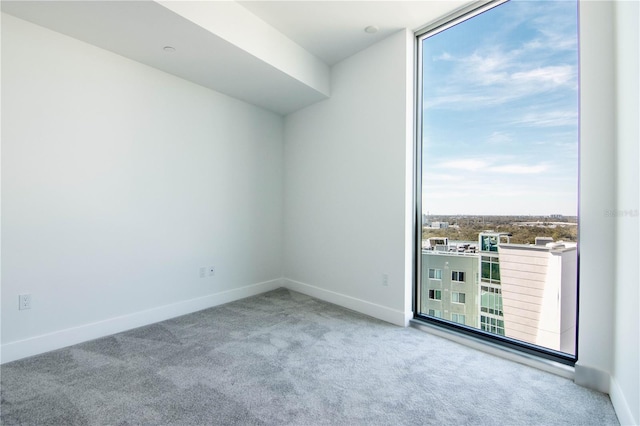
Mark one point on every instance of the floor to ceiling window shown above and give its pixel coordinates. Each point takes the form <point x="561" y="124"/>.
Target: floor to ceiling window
<point x="498" y="180"/>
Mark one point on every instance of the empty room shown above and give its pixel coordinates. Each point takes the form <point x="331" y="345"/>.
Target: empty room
<point x="320" y="212"/>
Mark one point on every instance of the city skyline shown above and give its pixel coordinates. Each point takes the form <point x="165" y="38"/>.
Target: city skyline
<point x="500" y="125"/>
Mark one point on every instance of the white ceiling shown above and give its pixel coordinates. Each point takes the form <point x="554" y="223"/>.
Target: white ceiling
<point x="334" y="30"/>
<point x="329" y="30"/>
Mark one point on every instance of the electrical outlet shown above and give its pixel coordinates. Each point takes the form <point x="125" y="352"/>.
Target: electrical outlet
<point x="212" y="271"/>
<point x="202" y="271"/>
<point x="24" y="301"/>
<point x="385" y="280"/>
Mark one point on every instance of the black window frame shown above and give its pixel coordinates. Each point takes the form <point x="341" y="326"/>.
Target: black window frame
<point x="458" y="16"/>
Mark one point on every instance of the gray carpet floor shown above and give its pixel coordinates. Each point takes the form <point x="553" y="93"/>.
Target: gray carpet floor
<point x="283" y="358"/>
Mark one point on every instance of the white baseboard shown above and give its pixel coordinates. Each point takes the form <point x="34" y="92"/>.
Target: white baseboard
<point x="408" y="316"/>
<point x="59" y="339"/>
<point x="592" y="378"/>
<point x="364" y="307"/>
<point x="621" y="405"/>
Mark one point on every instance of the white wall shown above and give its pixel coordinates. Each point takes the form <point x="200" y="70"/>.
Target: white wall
<point x="344" y="227"/>
<point x="597" y="195"/>
<point x="625" y="383"/>
<point x="345" y="180"/>
<point x="118" y="183"/>
<point x="608" y="356"/>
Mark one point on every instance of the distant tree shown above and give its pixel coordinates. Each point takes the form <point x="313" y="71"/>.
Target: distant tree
<point x="469" y="230"/>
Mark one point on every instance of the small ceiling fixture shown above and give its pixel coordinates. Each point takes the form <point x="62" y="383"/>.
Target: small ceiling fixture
<point x="371" y="29"/>
<point x="169" y="49"/>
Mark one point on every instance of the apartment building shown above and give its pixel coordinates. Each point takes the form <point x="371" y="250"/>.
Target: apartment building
<point x="526" y="292"/>
<point x="539" y="293"/>
<point x="450" y="284"/>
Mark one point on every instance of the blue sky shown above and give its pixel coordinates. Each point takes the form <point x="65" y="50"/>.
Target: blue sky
<point x="500" y="112"/>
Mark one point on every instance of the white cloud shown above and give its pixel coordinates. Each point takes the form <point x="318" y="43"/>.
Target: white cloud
<point x="441" y="177"/>
<point x="557" y="35"/>
<point x="458" y="101"/>
<point x="445" y="56"/>
<point x="550" y="118"/>
<point x="482" y="82"/>
<point x="495" y="74"/>
<point x="469" y="164"/>
<point x="499" y="138"/>
<point x="487" y="69"/>
<point x="475" y="167"/>
<point x="533" y="45"/>
<point x="554" y="75"/>
<point x="520" y="169"/>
